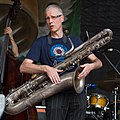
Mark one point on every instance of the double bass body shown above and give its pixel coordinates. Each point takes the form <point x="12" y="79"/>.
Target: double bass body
<point x="13" y="78"/>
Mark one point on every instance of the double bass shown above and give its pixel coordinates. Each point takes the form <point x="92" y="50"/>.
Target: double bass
<point x="10" y="75"/>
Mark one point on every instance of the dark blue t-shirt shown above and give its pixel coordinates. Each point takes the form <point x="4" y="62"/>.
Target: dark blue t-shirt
<point x="51" y="53"/>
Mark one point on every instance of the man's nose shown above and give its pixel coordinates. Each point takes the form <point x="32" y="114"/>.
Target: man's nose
<point x="50" y="19"/>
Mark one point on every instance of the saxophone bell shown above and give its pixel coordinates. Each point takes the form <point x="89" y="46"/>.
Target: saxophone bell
<point x="78" y="83"/>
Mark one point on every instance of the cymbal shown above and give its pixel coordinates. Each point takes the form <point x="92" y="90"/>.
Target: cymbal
<point x="117" y="80"/>
<point x="108" y="85"/>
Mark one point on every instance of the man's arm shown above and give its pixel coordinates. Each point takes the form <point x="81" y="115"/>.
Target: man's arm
<point x="29" y="67"/>
<point x="8" y="31"/>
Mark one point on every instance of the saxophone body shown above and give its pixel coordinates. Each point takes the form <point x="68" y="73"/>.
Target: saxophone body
<point x="40" y="87"/>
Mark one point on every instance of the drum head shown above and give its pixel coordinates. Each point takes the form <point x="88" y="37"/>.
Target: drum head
<point x="97" y="102"/>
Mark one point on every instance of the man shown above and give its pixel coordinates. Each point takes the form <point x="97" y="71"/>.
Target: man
<point x="49" y="50"/>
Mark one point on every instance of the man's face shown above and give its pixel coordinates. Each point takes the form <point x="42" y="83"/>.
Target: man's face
<point x="54" y="19"/>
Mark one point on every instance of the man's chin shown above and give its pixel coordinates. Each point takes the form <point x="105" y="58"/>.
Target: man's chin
<point x="53" y="30"/>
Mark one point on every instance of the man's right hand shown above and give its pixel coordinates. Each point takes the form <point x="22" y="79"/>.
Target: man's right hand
<point x="53" y="74"/>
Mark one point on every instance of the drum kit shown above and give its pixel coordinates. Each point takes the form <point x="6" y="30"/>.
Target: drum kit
<point x="99" y="106"/>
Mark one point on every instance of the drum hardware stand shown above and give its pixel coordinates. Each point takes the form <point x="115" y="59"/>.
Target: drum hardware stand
<point x="111" y="62"/>
<point x="91" y="86"/>
<point x="94" y="115"/>
<point x="116" y="88"/>
<point x="115" y="107"/>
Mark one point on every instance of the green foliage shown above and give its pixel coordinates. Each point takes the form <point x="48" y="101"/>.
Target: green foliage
<point x="73" y="19"/>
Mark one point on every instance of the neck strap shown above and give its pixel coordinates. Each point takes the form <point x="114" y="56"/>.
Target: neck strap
<point x="50" y="39"/>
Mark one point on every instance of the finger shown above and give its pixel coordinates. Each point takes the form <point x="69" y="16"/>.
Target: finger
<point x="59" y="70"/>
<point x="82" y="75"/>
<point x="57" y="79"/>
<point x="52" y="79"/>
<point x="82" y="65"/>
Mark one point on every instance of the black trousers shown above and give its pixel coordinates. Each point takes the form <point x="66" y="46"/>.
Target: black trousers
<point x="66" y="106"/>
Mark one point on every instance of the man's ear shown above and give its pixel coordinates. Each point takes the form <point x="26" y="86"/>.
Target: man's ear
<point x="63" y="18"/>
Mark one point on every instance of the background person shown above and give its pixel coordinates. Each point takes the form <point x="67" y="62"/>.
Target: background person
<point x="14" y="47"/>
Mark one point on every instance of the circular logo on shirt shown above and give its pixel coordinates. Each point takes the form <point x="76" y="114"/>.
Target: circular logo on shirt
<point x="57" y="52"/>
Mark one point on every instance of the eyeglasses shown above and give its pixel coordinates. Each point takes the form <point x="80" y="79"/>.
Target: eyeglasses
<point x="52" y="17"/>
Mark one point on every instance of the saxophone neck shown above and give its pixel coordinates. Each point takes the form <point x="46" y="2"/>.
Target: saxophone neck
<point x="66" y="32"/>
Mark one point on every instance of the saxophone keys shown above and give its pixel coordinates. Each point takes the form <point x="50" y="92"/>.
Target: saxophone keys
<point x="73" y="63"/>
<point x="78" y="60"/>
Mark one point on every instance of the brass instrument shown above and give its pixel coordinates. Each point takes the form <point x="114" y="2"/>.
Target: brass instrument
<point x="40" y="86"/>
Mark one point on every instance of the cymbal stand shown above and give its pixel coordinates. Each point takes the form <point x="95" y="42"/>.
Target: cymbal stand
<point x="94" y="115"/>
<point x="116" y="87"/>
<point x="115" y="107"/>
<point x="111" y="64"/>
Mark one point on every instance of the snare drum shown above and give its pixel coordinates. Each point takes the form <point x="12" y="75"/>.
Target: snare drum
<point x="98" y="101"/>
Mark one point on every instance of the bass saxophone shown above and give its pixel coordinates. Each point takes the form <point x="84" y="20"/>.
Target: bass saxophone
<point x="40" y="86"/>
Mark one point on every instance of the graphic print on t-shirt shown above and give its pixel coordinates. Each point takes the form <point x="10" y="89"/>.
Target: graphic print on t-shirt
<point x="57" y="52"/>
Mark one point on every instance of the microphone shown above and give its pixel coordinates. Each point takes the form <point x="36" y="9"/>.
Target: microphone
<point x="105" y="50"/>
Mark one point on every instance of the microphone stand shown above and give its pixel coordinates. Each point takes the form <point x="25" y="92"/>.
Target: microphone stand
<point x="116" y="88"/>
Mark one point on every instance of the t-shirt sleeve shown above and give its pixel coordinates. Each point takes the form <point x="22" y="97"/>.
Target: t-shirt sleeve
<point x="35" y="51"/>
